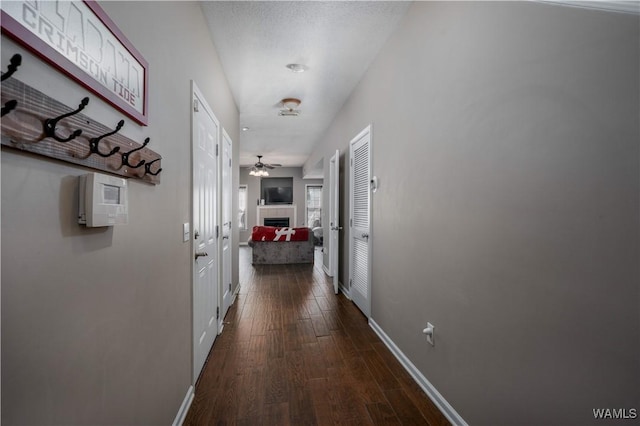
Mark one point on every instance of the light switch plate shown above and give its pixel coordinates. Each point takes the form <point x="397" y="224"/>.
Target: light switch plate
<point x="185" y="232"/>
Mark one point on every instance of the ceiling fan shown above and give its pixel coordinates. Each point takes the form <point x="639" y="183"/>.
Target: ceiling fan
<point x="260" y="168"/>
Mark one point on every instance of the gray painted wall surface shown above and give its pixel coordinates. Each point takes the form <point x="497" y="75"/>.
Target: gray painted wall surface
<point x="506" y="140"/>
<point x="96" y="323"/>
<point x="253" y="194"/>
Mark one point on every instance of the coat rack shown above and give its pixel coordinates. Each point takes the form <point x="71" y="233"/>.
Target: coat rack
<point x="15" y="62"/>
<point x="37" y="123"/>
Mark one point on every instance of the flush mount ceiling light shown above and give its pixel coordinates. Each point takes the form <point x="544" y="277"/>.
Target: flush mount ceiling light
<point x="297" y="67"/>
<point x="290" y="105"/>
<point x="245" y="128"/>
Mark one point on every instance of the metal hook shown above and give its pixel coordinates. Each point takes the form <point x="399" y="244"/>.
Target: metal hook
<point x="15" y="62"/>
<point x="9" y="106"/>
<point x="93" y="142"/>
<point x="125" y="156"/>
<point x="50" y="124"/>
<point x="147" y="168"/>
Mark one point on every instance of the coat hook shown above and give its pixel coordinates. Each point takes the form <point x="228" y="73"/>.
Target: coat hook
<point x="125" y="156"/>
<point x="147" y="168"/>
<point x="11" y="105"/>
<point x="93" y="142"/>
<point x="15" y="62"/>
<point x="50" y="124"/>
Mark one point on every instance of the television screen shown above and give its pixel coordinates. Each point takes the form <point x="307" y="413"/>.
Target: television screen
<point x="279" y="195"/>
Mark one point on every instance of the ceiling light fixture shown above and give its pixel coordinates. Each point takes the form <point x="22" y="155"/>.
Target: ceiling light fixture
<point x="297" y="67"/>
<point x="258" y="172"/>
<point x="244" y="129"/>
<point x="290" y="105"/>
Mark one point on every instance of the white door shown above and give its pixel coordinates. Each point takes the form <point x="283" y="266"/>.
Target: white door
<point x="205" y="131"/>
<point x="334" y="218"/>
<point x="360" y="219"/>
<point x="227" y="293"/>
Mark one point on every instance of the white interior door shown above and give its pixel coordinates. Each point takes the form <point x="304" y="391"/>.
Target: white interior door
<point x="360" y="221"/>
<point x="205" y="131"/>
<point x="334" y="218"/>
<point x="227" y="188"/>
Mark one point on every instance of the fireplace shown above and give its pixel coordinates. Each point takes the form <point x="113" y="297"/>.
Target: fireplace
<point x="280" y="222"/>
<point x="279" y="213"/>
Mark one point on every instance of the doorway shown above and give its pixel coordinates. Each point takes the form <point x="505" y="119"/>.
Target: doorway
<point x="204" y="142"/>
<point x="360" y="221"/>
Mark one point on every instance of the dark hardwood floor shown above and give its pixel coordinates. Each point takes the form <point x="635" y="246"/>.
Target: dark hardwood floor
<point x="294" y="353"/>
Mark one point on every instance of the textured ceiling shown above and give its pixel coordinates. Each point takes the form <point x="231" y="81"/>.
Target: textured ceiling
<point x="255" y="40"/>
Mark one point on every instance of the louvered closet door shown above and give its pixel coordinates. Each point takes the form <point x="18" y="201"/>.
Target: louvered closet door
<point x="360" y="221"/>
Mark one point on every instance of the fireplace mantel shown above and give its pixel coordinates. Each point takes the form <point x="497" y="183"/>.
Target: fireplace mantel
<point x="280" y="210"/>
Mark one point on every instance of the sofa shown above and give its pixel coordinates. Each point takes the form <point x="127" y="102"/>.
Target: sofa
<point x="273" y="246"/>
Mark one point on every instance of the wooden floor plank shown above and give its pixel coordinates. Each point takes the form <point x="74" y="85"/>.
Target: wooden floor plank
<point x="381" y="414"/>
<point x="294" y="353"/>
<point x="406" y="411"/>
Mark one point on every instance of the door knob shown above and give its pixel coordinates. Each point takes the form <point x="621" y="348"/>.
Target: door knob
<point x="365" y="236"/>
<point x="201" y="253"/>
<point x="225" y="237"/>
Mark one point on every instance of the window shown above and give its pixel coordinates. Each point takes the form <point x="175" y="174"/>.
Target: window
<point x="242" y="207"/>
<point x="314" y="205"/>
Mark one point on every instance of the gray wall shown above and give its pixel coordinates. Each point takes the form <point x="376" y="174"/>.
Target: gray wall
<point x="506" y="140"/>
<point x="253" y="194"/>
<point x="96" y="323"/>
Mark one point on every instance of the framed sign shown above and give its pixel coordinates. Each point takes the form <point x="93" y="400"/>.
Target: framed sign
<point x="78" y="38"/>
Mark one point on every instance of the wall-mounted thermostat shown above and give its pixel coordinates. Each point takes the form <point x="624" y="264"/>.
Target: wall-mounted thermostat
<point x="102" y="200"/>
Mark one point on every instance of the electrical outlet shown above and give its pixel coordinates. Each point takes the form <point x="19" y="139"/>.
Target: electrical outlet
<point x="430" y="332"/>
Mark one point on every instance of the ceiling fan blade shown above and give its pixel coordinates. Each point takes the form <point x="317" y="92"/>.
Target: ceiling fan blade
<point x="268" y="166"/>
<point x="274" y="165"/>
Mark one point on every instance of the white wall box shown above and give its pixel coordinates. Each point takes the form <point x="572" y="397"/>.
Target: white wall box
<point x="102" y="200"/>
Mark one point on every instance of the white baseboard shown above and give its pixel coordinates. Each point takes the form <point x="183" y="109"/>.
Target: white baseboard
<point x="184" y="408"/>
<point x="344" y="290"/>
<point x="235" y="294"/>
<point x="422" y="381"/>
<point x="326" y="270"/>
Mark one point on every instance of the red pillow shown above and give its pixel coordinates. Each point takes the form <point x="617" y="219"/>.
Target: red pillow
<point x="272" y="233"/>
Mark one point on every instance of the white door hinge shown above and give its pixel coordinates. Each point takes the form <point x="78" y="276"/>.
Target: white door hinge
<point x="195" y="105"/>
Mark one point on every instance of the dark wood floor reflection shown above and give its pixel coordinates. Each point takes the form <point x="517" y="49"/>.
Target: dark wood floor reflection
<point x="294" y="353"/>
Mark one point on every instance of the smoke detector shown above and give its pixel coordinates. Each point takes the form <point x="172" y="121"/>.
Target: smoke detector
<point x="297" y="68"/>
